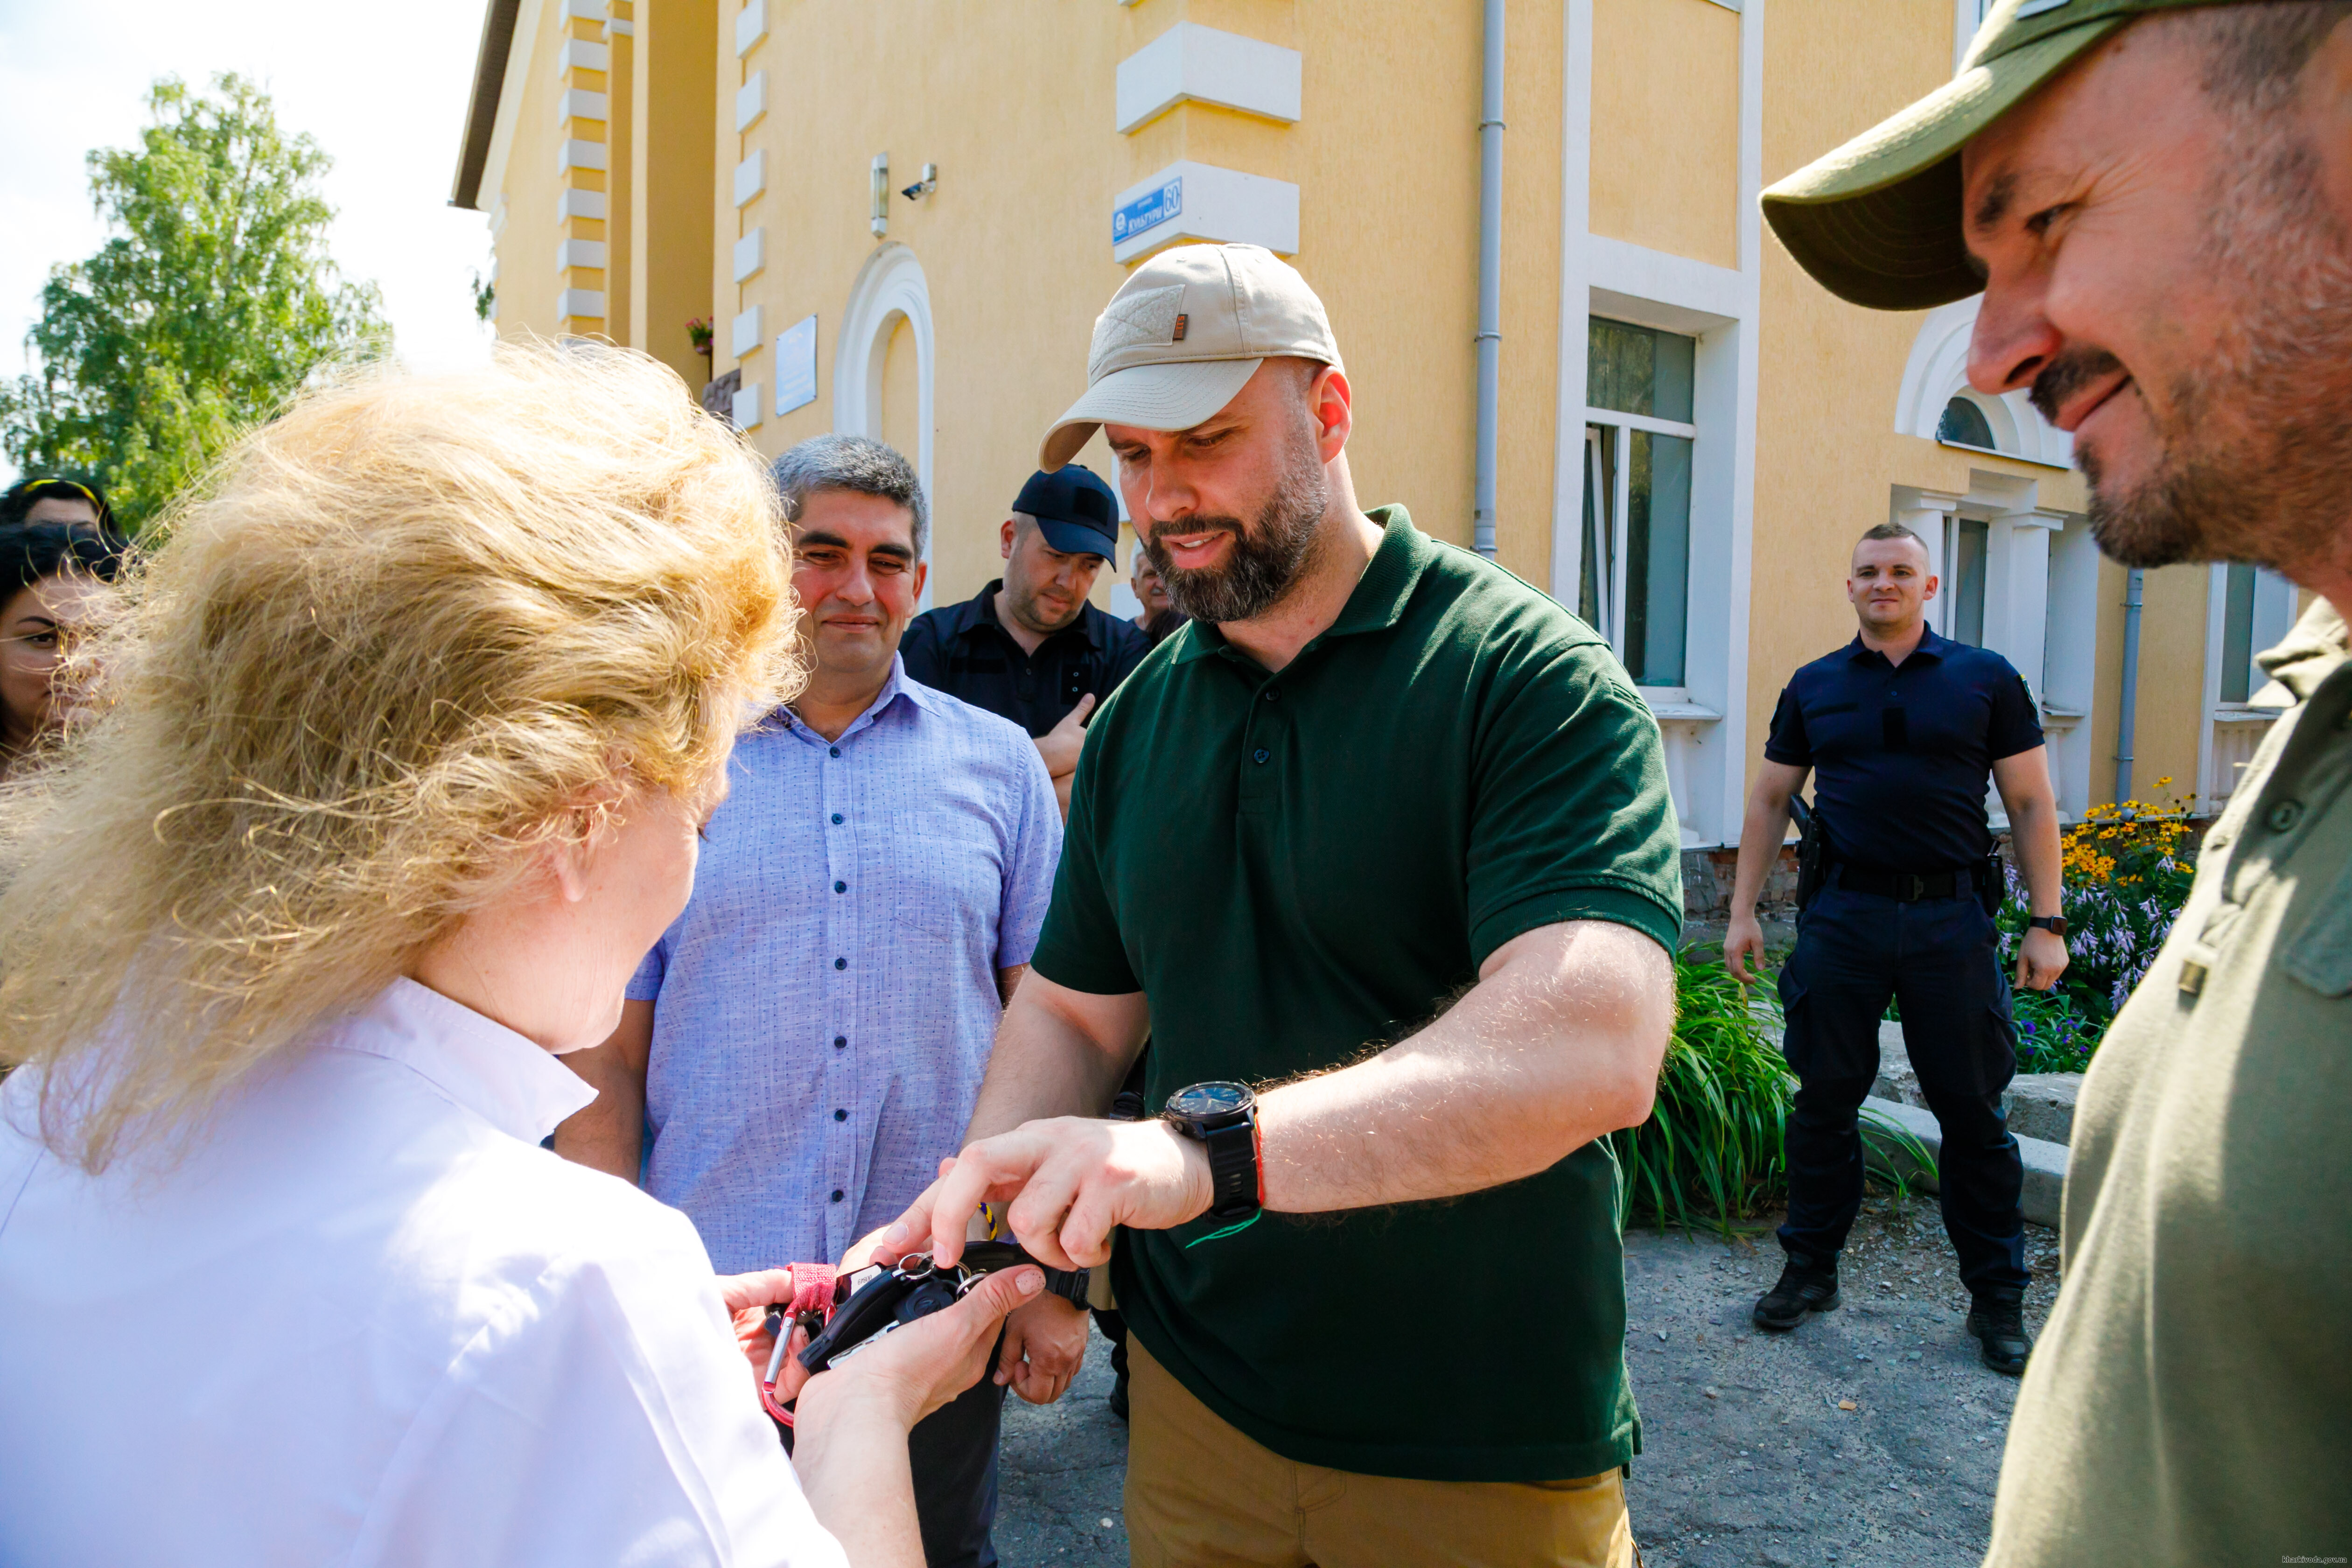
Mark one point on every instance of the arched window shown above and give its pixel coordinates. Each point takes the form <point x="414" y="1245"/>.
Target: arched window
<point x="1936" y="401"/>
<point x="1965" y="425"/>
<point x="883" y="370"/>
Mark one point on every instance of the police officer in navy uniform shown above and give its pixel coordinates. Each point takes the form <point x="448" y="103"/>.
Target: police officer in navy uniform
<point x="1901" y="729"/>
<point x="1029" y="647"/>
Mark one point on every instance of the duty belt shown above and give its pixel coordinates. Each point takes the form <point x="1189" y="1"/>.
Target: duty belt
<point x="1907" y="887"/>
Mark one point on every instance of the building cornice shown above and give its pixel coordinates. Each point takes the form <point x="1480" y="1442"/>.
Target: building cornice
<point x="482" y="107"/>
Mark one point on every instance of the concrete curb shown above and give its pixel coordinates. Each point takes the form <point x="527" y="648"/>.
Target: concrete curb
<point x="2045" y="1162"/>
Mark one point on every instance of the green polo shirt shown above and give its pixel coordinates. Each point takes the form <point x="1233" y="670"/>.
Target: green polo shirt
<point x="1297" y="869"/>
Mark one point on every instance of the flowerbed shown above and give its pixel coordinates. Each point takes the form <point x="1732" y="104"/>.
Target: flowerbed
<point x="2127" y="871"/>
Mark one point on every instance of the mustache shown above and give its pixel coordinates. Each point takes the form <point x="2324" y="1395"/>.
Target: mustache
<point x="1231" y="525"/>
<point x="2067" y="373"/>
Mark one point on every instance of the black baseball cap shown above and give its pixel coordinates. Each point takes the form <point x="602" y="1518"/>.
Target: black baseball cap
<point x="1075" y="510"/>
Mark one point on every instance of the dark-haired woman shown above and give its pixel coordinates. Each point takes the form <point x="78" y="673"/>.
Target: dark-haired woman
<point x="73" y="503"/>
<point x="57" y="578"/>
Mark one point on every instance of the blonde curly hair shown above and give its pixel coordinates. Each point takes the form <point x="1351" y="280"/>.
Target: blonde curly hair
<point x="389" y="648"/>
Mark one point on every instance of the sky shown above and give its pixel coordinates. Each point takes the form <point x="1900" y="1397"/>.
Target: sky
<point x="383" y="91"/>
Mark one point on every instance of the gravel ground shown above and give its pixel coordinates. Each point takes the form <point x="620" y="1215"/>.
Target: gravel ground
<point x="1870" y="1436"/>
<point x="1060" y="1467"/>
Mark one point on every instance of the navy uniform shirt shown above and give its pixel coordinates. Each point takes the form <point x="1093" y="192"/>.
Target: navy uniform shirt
<point x="1902" y="754"/>
<point x="965" y="651"/>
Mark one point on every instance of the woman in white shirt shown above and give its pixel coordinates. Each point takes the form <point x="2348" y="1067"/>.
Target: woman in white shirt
<point x="406" y="737"/>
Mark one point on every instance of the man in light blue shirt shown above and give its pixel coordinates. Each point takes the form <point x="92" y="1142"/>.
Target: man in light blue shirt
<point x="805" y="1044"/>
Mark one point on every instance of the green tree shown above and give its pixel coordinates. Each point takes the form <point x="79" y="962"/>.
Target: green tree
<point x="214" y="301"/>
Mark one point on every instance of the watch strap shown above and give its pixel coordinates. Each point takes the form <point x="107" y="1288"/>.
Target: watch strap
<point x="1069" y="1284"/>
<point x="1233" y="1170"/>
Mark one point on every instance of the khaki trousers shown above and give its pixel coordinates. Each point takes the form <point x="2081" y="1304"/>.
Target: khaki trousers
<point x="1202" y="1495"/>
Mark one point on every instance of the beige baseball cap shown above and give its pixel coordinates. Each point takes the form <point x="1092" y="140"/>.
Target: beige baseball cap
<point x="1183" y="334"/>
<point x="1877" y="222"/>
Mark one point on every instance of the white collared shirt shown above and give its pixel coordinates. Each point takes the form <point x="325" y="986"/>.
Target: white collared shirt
<point x="364" y="1319"/>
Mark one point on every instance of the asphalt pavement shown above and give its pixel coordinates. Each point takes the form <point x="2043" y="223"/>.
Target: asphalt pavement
<point x="1870" y="1436"/>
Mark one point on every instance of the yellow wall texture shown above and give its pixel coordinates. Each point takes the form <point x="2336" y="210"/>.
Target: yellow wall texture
<point x="672" y="183"/>
<point x="620" y="188"/>
<point x="1666" y="125"/>
<point x="528" y="281"/>
<point x="1826" y="447"/>
<point x="2170" y="711"/>
<point x="1016" y="106"/>
<point x="901" y="389"/>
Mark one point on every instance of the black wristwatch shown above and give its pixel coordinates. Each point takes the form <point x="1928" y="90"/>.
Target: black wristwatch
<point x="1223" y="1118"/>
<point x="2055" y="924"/>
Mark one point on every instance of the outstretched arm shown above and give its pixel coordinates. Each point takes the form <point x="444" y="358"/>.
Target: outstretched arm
<point x="1557" y="1044"/>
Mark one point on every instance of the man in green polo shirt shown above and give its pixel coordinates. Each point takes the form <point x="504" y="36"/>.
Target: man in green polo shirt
<point x="2156" y="198"/>
<point x="1384" y="835"/>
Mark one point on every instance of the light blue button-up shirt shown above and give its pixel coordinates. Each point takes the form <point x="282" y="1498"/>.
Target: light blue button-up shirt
<point x="825" y="1007"/>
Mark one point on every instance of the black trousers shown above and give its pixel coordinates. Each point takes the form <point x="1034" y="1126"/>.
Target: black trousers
<point x="1938" y="959"/>
<point x="953" y="1452"/>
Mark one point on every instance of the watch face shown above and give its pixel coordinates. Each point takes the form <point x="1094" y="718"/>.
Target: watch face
<point x="1203" y="1101"/>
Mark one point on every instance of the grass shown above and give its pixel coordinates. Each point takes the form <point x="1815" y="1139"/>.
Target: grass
<point x="1712" y="1151"/>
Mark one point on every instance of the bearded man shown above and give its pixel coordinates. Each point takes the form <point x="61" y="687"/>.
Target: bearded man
<point x="1373" y="775"/>
<point x="2156" y="197"/>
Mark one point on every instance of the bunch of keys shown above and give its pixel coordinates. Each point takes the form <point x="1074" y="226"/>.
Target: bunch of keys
<point x="886" y="1301"/>
<point x="844" y="1315"/>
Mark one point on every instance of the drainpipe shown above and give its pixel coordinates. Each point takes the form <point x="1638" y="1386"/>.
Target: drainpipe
<point x="1490" y="281"/>
<point x="2125" y="714"/>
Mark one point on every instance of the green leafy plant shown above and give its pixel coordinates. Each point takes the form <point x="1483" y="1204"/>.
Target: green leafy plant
<point x="212" y="301"/>
<point x="2126" y="874"/>
<point x="1711" y="1150"/>
<point x="1714" y="1150"/>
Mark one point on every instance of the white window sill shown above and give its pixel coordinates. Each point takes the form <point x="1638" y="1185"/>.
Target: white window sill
<point x="1672" y="705"/>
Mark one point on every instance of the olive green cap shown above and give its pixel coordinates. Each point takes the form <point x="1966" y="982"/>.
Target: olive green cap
<point x="1877" y="222"/>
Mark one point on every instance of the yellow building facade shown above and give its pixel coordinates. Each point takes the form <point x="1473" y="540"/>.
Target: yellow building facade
<point x="900" y="217"/>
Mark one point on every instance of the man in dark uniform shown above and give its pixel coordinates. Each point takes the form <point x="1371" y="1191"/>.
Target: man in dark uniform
<point x="1028" y="647"/>
<point x="1901" y="728"/>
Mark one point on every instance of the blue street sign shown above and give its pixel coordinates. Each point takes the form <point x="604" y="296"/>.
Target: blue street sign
<point x="796" y="365"/>
<point x="1148" y="211"/>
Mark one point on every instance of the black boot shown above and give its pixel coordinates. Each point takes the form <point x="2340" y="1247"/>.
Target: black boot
<point x="1999" y="1323"/>
<point x="1806" y="1286"/>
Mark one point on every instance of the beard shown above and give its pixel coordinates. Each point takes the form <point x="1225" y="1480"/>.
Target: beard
<point x="2255" y="448"/>
<point x="1266" y="561"/>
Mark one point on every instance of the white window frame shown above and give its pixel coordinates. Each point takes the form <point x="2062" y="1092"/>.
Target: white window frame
<point x="1968" y="15"/>
<point x="2230" y="730"/>
<point x="890" y="285"/>
<point x="1706" y="736"/>
<point x="1617" y="513"/>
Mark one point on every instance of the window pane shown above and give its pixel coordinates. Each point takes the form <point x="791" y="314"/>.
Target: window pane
<point x="2237" y="635"/>
<point x="1593" y="571"/>
<point x="1965" y="425"/>
<point x="1637" y="369"/>
<point x="1621" y="366"/>
<point x="1968" y="589"/>
<point x="1677" y="361"/>
<point x="1657" y="557"/>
